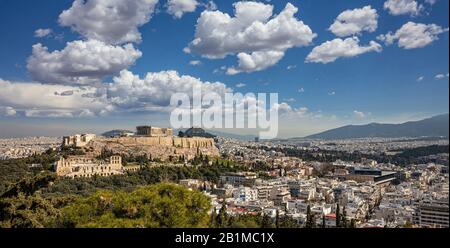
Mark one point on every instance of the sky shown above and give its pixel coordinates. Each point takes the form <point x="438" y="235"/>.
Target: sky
<point x="95" y="65"/>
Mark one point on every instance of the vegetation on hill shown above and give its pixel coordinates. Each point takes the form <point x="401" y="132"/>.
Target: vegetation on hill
<point x="405" y="157"/>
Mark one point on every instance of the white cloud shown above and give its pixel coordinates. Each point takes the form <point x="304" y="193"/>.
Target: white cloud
<point x="110" y="21"/>
<point x="420" y="79"/>
<point x="240" y="85"/>
<point x="40" y="33"/>
<point x="40" y="99"/>
<point x="353" y="22"/>
<point x="439" y="76"/>
<point x="195" y="62"/>
<point x="359" y="114"/>
<point x="211" y="5"/>
<point x="254" y="34"/>
<point x="301" y="90"/>
<point x="431" y="2"/>
<point x="256" y="61"/>
<point x="331" y="50"/>
<point x="7" y="111"/>
<point x="86" y="113"/>
<point x="285" y="110"/>
<point x="332" y="93"/>
<point x="35" y="113"/>
<point x="290" y="67"/>
<point x="402" y="7"/>
<point x="413" y="35"/>
<point x="129" y="91"/>
<point x="177" y="8"/>
<point x="80" y="62"/>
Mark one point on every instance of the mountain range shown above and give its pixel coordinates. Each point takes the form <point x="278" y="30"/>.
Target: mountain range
<point x="437" y="126"/>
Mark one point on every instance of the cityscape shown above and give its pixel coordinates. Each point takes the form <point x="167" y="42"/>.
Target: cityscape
<point x="221" y="115"/>
<point x="353" y="183"/>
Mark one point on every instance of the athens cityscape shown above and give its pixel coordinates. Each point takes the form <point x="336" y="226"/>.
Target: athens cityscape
<point x="91" y="91"/>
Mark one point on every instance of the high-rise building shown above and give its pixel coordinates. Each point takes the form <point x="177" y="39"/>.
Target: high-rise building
<point x="432" y="213"/>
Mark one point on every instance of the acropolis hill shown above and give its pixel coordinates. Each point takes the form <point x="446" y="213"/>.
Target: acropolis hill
<point x="156" y="143"/>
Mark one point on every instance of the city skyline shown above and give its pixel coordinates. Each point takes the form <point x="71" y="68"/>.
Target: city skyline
<point x="69" y="67"/>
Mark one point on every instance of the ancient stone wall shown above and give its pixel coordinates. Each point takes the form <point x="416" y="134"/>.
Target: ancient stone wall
<point x="157" y="147"/>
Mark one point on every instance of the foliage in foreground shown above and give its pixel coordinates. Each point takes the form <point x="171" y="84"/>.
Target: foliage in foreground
<point x="159" y="205"/>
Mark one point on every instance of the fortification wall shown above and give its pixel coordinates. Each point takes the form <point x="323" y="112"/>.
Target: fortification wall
<point x="162" y="141"/>
<point x="157" y="147"/>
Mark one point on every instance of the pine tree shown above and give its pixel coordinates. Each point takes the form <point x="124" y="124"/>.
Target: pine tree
<point x="212" y="221"/>
<point x="222" y="217"/>
<point x="230" y="221"/>
<point x="266" y="222"/>
<point x="344" y="217"/>
<point x="277" y="219"/>
<point x="310" y="223"/>
<point x="338" y="216"/>
<point x="353" y="223"/>
<point x="323" y="222"/>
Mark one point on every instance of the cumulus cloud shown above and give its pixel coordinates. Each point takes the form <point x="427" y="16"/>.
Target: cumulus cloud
<point x="338" y="48"/>
<point x="7" y="111"/>
<point x="420" y="79"/>
<point x="110" y="21"/>
<point x="403" y="7"/>
<point x="256" y="61"/>
<point x="155" y="89"/>
<point x="285" y="109"/>
<point x="177" y="8"/>
<point x="80" y="62"/>
<point x="413" y="35"/>
<point x="353" y="22"/>
<point x="359" y="114"/>
<point x="240" y="85"/>
<point x="41" y="33"/>
<point x="41" y="100"/>
<point x="254" y="34"/>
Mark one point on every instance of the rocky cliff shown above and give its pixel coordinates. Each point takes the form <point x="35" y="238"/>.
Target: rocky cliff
<point x="156" y="147"/>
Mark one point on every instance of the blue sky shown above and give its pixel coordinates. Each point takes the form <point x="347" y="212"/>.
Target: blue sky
<point x="382" y="85"/>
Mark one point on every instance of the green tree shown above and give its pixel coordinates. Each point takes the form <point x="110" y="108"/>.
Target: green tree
<point x="277" y="219"/>
<point x="159" y="205"/>
<point x="344" y="217"/>
<point x="222" y="217"/>
<point x="212" y="219"/>
<point x="338" y="216"/>
<point x="353" y="223"/>
<point x="323" y="222"/>
<point x="310" y="220"/>
<point x="266" y="221"/>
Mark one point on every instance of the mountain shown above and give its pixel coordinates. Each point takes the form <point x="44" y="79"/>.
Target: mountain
<point x="436" y="126"/>
<point x="234" y="136"/>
